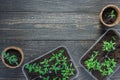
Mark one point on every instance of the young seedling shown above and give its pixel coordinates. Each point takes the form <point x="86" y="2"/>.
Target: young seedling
<point x="29" y="67"/>
<point x="112" y="14"/>
<point x="12" y="59"/>
<point x="55" y="68"/>
<point x="71" y="69"/>
<point x="64" y="59"/>
<point x="65" y="72"/>
<point x="91" y="63"/>
<point x="108" y="46"/>
<point x="109" y="65"/>
<point x="45" y="63"/>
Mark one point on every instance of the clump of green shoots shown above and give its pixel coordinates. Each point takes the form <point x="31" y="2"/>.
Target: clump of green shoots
<point x="60" y="65"/>
<point x="12" y="59"/>
<point x="108" y="66"/>
<point x="108" y="46"/>
<point x="105" y="68"/>
<point x="91" y="63"/>
<point x="112" y="14"/>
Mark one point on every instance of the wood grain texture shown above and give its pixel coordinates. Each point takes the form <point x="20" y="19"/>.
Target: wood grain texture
<point x="54" y="5"/>
<point x="38" y="26"/>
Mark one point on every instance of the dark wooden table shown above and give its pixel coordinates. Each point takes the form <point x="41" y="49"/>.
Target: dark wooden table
<point x="37" y="26"/>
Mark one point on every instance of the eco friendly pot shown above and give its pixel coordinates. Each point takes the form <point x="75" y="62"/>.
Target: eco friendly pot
<point x="10" y="55"/>
<point x="42" y="67"/>
<point x="102" y="63"/>
<point x="110" y="15"/>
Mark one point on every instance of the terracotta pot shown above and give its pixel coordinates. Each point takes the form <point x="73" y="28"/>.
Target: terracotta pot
<point x="20" y="52"/>
<point x="117" y="18"/>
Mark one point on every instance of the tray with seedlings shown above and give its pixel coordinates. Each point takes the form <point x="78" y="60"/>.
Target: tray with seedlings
<point x="54" y="65"/>
<point x="102" y="60"/>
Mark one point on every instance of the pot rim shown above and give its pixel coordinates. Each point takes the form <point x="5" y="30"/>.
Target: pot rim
<point x="20" y="52"/>
<point x="116" y="8"/>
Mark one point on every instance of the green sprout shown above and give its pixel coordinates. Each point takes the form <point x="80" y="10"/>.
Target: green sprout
<point x="113" y="38"/>
<point x="45" y="63"/>
<point x="64" y="59"/>
<point x="110" y="64"/>
<point x="91" y="63"/>
<point x="12" y="59"/>
<point x="112" y="14"/>
<point x="29" y="67"/>
<point x="53" y="57"/>
<point x="71" y="69"/>
<point x="65" y="72"/>
<point x="55" y="68"/>
<point x="108" y="46"/>
<point x="68" y="71"/>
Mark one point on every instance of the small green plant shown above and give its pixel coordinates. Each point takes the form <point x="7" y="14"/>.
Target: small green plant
<point x="55" y="64"/>
<point x="108" y="66"/>
<point x="112" y="14"/>
<point x="91" y="63"/>
<point x="108" y="46"/>
<point x="67" y="71"/>
<point x="55" y="68"/>
<point x="12" y="59"/>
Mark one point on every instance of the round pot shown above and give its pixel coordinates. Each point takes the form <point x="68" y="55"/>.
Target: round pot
<point x="19" y="52"/>
<point x="104" y="12"/>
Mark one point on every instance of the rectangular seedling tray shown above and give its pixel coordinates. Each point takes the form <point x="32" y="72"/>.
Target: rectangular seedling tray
<point x="102" y="62"/>
<point x="54" y="65"/>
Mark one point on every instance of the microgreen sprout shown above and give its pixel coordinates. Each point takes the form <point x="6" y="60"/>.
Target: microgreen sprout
<point x="112" y="14"/>
<point x="55" y="68"/>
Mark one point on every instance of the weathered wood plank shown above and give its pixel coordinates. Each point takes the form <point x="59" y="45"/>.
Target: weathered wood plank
<point x="36" y="17"/>
<point x="54" y="5"/>
<point x="51" y="26"/>
<point x="49" y="34"/>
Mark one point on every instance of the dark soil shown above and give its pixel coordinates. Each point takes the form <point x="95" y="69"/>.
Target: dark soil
<point x="106" y="18"/>
<point x="13" y="52"/>
<point x="52" y="75"/>
<point x="98" y="47"/>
